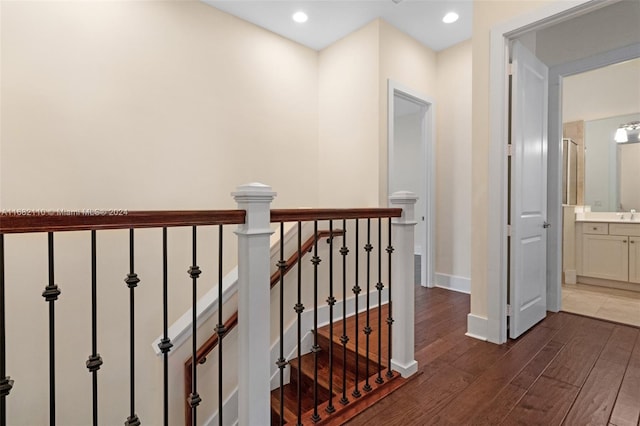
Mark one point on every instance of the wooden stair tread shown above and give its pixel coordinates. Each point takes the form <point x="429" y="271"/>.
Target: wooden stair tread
<point x="307" y="369"/>
<point x="325" y="335"/>
<point x="290" y="402"/>
<point x="338" y="354"/>
<point x="306" y="365"/>
<point x="355" y="405"/>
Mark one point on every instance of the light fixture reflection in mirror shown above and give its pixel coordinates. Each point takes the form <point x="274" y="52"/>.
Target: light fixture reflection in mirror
<point x="610" y="167"/>
<point x="629" y="132"/>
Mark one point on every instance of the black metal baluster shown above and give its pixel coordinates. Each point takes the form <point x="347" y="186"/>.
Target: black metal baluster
<point x="95" y="361"/>
<point x="315" y="349"/>
<point x="132" y="281"/>
<point x="281" y="363"/>
<point x="165" y="344"/>
<point x="299" y="308"/>
<point x="194" y="273"/>
<point x="390" y="314"/>
<point x="5" y="381"/>
<point x="367" y="329"/>
<point x="51" y="294"/>
<point x="221" y="330"/>
<point x="344" y="339"/>
<point x="379" y="287"/>
<point x="331" y="301"/>
<point x="356" y="291"/>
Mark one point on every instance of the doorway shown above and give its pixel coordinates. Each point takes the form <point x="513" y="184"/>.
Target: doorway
<point x="501" y="38"/>
<point x="411" y="168"/>
<point x="593" y="105"/>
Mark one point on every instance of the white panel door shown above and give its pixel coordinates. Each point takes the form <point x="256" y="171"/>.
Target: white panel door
<point x="528" y="272"/>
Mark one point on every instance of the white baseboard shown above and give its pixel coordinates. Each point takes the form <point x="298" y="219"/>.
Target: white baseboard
<point x="405" y="370"/>
<point x="570" y="276"/>
<point x="477" y="327"/>
<point x="455" y="283"/>
<point x="229" y="411"/>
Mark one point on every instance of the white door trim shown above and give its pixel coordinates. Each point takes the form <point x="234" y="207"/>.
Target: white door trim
<point x="428" y="137"/>
<point x="501" y="35"/>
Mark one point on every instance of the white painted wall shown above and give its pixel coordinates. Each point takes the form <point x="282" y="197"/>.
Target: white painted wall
<point x="453" y="163"/>
<point x="348" y="120"/>
<point x="601" y="93"/>
<point x="155" y="92"/>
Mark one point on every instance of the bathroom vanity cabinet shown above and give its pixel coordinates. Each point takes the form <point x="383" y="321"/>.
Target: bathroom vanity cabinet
<point x="610" y="253"/>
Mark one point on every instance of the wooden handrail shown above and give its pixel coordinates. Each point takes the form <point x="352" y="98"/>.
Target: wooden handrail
<point x="305" y="215"/>
<point x="305" y="248"/>
<point x="212" y="342"/>
<point x="34" y="220"/>
<point x="27" y="221"/>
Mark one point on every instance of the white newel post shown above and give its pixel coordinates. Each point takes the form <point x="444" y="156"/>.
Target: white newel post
<point x="253" y="305"/>
<point x="403" y="286"/>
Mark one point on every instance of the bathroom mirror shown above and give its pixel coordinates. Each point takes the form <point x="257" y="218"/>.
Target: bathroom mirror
<point x="611" y="181"/>
<point x="594" y="105"/>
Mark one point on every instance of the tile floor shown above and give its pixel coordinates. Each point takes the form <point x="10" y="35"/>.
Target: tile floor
<point x="600" y="302"/>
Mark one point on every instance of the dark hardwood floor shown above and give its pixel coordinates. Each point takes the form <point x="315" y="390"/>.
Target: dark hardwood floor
<point x="569" y="369"/>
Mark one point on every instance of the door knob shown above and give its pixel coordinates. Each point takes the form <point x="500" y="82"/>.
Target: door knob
<point x="546" y="224"/>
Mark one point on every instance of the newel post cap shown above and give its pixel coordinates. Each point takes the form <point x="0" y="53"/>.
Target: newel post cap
<point x="407" y="201"/>
<point x="403" y="197"/>
<point x="254" y="191"/>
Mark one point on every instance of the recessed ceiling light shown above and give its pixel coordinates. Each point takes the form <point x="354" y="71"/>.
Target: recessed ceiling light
<point x="450" y="18"/>
<point x="300" y="17"/>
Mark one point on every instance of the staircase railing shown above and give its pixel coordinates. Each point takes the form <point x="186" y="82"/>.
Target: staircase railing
<point x="323" y="394"/>
<point x="253" y="218"/>
<point x="211" y="343"/>
<point x="98" y="222"/>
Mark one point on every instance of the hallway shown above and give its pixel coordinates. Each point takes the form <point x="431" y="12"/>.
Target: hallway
<point x="568" y="369"/>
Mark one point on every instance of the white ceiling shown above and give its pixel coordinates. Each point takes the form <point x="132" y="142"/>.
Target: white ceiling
<point x="330" y="20"/>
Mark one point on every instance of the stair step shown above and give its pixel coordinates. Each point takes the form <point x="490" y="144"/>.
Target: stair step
<point x="307" y="371"/>
<point x="324" y="337"/>
<point x="290" y="403"/>
<point x="345" y="412"/>
<point x="306" y="367"/>
<point x="338" y="354"/>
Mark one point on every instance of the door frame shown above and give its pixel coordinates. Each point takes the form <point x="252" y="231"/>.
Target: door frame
<point x="497" y="259"/>
<point x="427" y="104"/>
<point x="556" y="75"/>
